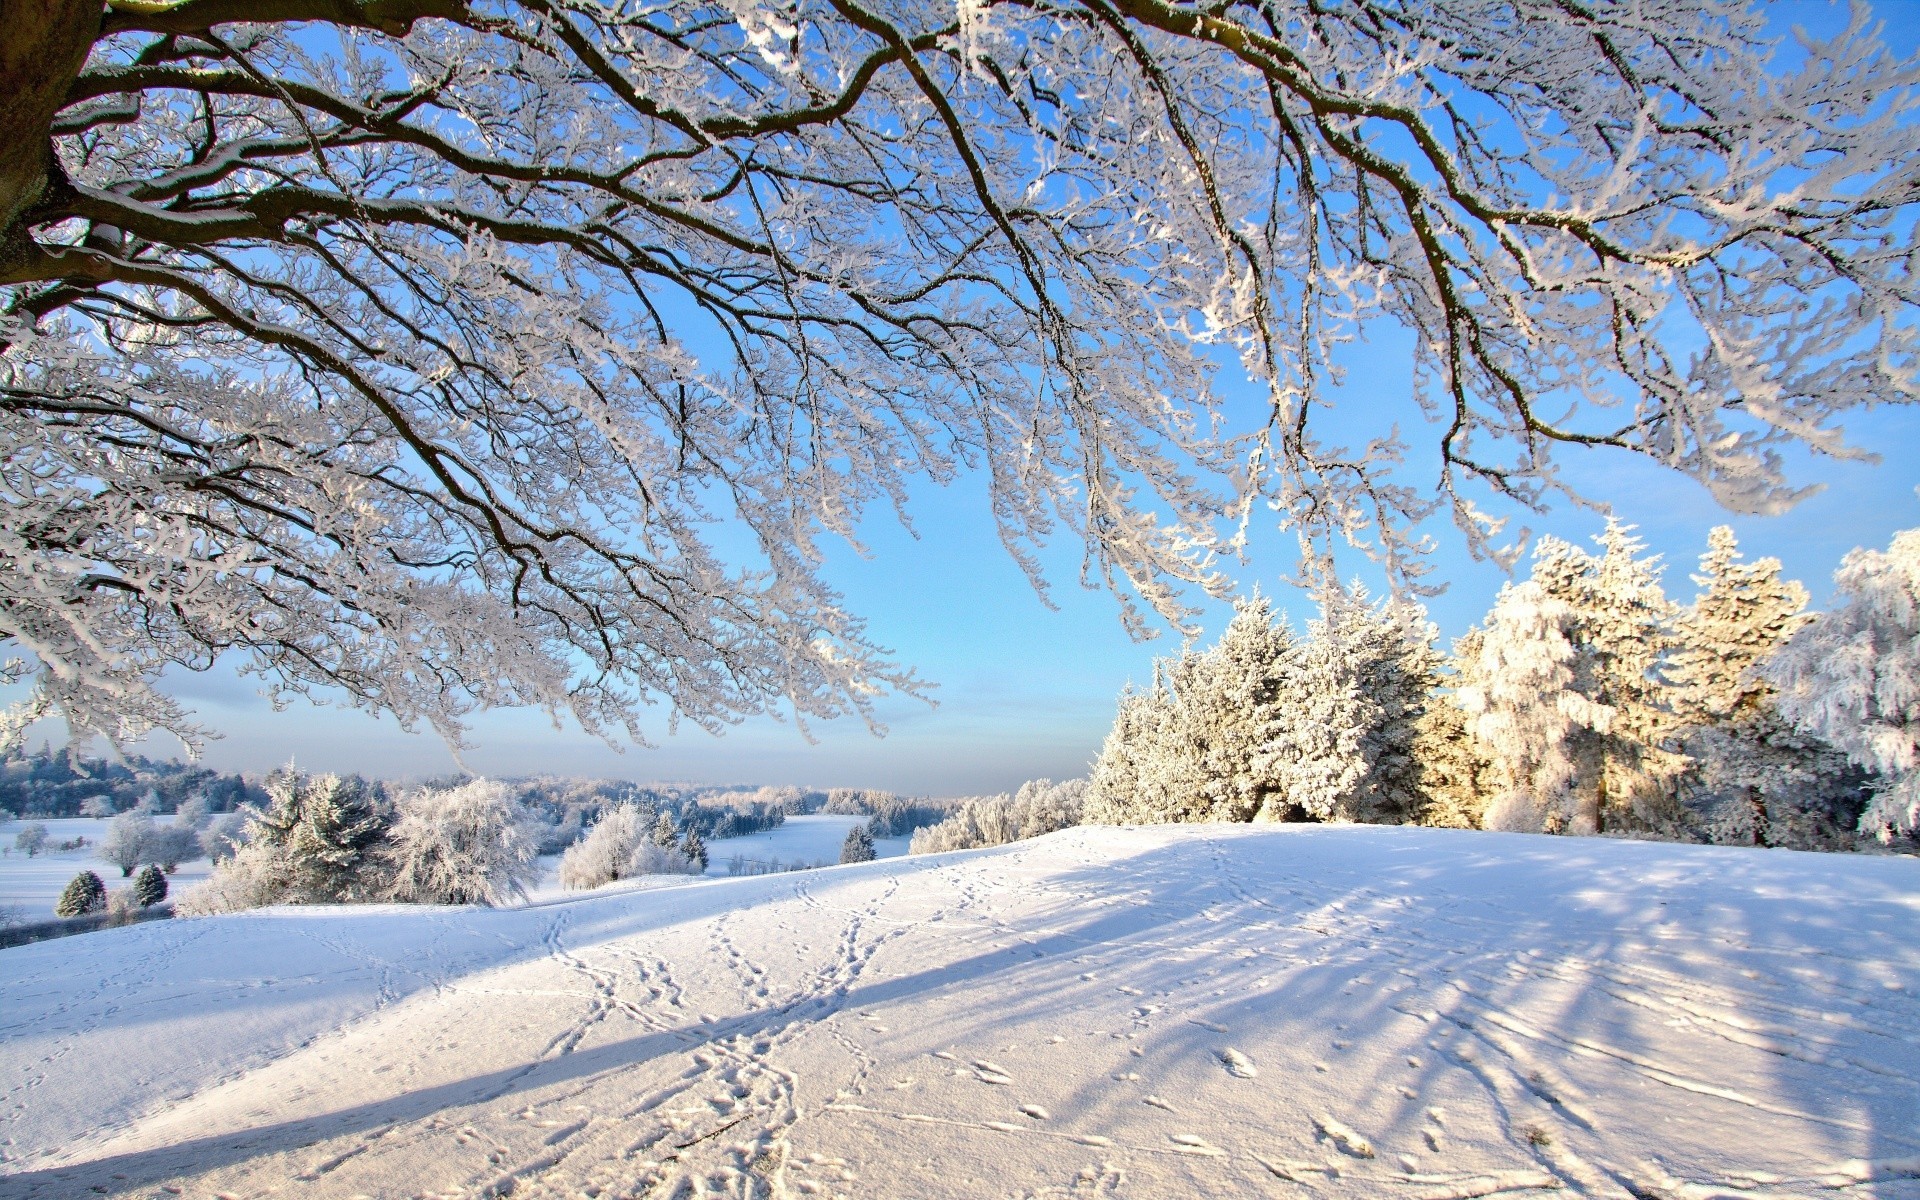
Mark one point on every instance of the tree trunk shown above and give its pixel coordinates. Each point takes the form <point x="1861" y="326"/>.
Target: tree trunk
<point x="1762" y="832"/>
<point x="45" y="47"/>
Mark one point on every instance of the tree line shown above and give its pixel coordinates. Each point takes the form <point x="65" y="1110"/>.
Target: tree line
<point x="1585" y="702"/>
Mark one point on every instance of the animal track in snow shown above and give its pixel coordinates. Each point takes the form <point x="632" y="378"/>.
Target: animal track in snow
<point x="1237" y="1064"/>
<point x="1343" y="1136"/>
<point x="1190" y="1143"/>
<point x="1036" y="1112"/>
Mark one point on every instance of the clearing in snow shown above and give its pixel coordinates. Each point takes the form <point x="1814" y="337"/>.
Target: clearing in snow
<point x="1175" y="1011"/>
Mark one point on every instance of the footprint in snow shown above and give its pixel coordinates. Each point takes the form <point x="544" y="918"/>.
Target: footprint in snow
<point x="1156" y="1102"/>
<point x="1036" y="1112"/>
<point x="987" y="1072"/>
<point x="1215" y="1026"/>
<point x="1237" y="1064"/>
<point x="1190" y="1143"/>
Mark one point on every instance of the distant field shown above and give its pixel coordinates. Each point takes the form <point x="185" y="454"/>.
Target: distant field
<point x="31" y="885"/>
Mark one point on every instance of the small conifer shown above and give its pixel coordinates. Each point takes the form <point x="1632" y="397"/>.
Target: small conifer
<point x="84" y="895"/>
<point x="149" y="886"/>
<point x="858" y="847"/>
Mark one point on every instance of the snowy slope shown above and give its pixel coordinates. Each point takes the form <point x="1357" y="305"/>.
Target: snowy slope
<point x="1223" y="1011"/>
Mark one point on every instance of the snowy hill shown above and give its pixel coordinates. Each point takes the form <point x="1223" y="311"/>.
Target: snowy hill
<point x="1177" y="1011"/>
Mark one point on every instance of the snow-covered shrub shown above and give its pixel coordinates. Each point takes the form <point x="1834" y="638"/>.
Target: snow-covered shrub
<point x="471" y="844"/>
<point x="123" y="906"/>
<point x="251" y="875"/>
<point x="649" y="859"/>
<point x="1852" y="677"/>
<point x="84" y="894"/>
<point x="858" y="847"/>
<point x="1040" y="806"/>
<point x="150" y="885"/>
<point x="128" y="839"/>
<point x="98" y="807"/>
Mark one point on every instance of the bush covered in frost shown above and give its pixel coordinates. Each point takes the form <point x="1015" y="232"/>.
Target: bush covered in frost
<point x="1040" y="806"/>
<point x="470" y="844"/>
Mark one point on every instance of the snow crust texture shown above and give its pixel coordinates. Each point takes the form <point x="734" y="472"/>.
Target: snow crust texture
<point x="1176" y="1011"/>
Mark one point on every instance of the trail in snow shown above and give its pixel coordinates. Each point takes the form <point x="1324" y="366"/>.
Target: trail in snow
<point x="1165" y="1012"/>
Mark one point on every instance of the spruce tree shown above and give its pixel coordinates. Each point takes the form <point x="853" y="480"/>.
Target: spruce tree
<point x="1752" y="773"/>
<point x="664" y="834"/>
<point x="694" y="849"/>
<point x="858" y="847"/>
<point x="83" y="895"/>
<point x="1618" y="621"/>
<point x="325" y="832"/>
<point x="149" y="886"/>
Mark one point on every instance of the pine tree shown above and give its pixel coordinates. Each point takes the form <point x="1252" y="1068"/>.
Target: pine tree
<point x="324" y="833"/>
<point x="83" y="895"/>
<point x="1380" y="658"/>
<point x="1518" y="693"/>
<point x="1618" y="626"/>
<point x="858" y="847"/>
<point x="1852" y="677"/>
<point x="694" y="849"/>
<point x="665" y="835"/>
<point x="1453" y="781"/>
<point x="1756" y="779"/>
<point x="149" y="886"/>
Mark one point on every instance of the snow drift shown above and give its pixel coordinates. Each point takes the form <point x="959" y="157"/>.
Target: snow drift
<point x="1175" y="1011"/>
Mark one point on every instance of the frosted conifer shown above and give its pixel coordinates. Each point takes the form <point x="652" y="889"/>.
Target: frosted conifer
<point x="149" y="886"/>
<point x="694" y="849"/>
<point x="858" y="847"/>
<point x="1523" y="710"/>
<point x="1617" y="623"/>
<point x="1852" y="677"/>
<point x="1756" y="779"/>
<point x="82" y="895"/>
<point x="665" y="835"/>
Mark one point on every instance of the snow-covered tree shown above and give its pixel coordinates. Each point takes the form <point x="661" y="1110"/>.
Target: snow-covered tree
<point x="1200" y="744"/>
<point x="322" y="835"/>
<point x="858" y="846"/>
<point x="129" y="841"/>
<point x="82" y="895"/>
<point x="1523" y="710"/>
<point x="98" y="807"/>
<point x="1381" y="655"/>
<point x="171" y="845"/>
<point x="1617" y="623"/>
<point x="471" y="844"/>
<point x="1755" y="778"/>
<point x="149" y="886"/>
<point x="1852" y="677"/>
<point x="602" y="854"/>
<point x="665" y="835"/>
<point x="1453" y="783"/>
<point x="30" y="839"/>
<point x="694" y="849"/>
<point x="409" y="347"/>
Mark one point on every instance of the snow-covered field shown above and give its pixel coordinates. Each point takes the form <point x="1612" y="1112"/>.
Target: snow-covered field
<point x="806" y="840"/>
<point x="1170" y="1012"/>
<point x="31" y="885"/>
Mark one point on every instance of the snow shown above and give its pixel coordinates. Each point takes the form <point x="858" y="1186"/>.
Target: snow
<point x="31" y="885"/>
<point x="1174" y="1011"/>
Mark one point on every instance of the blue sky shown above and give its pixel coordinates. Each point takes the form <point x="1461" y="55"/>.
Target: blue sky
<point x="1025" y="690"/>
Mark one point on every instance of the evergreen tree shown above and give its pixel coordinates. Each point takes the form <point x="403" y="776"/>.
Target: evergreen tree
<point x="1380" y="660"/>
<point x="83" y="895"/>
<point x="858" y="847"/>
<point x="149" y="886"/>
<point x="1617" y="623"/>
<point x="1453" y="778"/>
<point x="665" y="835"/>
<point x="1852" y="677"/>
<point x="323" y="832"/>
<point x="694" y="849"/>
<point x="1522" y="708"/>
<point x="1754" y="778"/>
